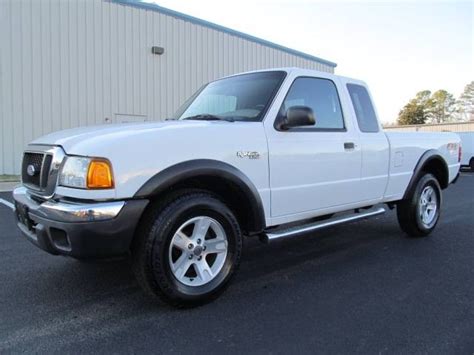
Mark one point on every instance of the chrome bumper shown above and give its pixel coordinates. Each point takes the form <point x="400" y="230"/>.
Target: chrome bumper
<point x="68" y="211"/>
<point x="78" y="229"/>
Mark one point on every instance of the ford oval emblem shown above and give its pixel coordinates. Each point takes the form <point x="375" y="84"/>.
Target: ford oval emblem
<point x="30" y="170"/>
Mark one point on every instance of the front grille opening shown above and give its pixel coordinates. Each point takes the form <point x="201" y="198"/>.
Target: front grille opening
<point x="34" y="161"/>
<point x="35" y="170"/>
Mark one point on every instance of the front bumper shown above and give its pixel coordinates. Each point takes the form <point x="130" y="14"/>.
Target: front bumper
<point x="78" y="229"/>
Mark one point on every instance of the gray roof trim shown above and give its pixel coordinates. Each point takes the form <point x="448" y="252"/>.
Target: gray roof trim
<point x="195" y="20"/>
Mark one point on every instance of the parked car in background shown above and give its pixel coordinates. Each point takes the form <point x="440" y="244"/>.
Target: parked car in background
<point x="271" y="154"/>
<point x="467" y="142"/>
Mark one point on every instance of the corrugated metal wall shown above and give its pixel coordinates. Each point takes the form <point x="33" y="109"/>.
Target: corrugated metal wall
<point x="72" y="63"/>
<point x="444" y="127"/>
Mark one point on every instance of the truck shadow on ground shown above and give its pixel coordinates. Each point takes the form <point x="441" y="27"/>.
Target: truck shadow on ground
<point x="99" y="278"/>
<point x="325" y="246"/>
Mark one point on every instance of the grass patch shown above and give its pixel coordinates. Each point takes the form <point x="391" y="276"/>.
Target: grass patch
<point x="9" y="178"/>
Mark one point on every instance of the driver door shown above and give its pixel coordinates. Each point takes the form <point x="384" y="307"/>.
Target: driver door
<point x="317" y="168"/>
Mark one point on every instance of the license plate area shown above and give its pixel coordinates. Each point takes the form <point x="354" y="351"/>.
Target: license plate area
<point x="23" y="216"/>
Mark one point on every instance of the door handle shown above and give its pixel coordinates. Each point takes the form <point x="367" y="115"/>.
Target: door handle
<point x="349" y="146"/>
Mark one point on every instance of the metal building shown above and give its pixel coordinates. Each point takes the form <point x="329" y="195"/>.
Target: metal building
<point x="439" y="127"/>
<point x="69" y="63"/>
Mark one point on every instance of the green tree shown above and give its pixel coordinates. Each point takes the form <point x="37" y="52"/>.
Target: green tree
<point x="424" y="99"/>
<point x="416" y="111"/>
<point x="442" y="107"/>
<point x="465" y="103"/>
<point x="412" y="113"/>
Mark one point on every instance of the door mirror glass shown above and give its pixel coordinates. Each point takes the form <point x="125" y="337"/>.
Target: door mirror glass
<point x="297" y="116"/>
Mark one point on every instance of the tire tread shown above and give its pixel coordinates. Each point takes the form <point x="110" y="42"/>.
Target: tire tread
<point x="157" y="217"/>
<point x="407" y="209"/>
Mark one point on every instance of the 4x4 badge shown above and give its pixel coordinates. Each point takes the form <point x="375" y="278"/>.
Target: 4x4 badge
<point x="250" y="155"/>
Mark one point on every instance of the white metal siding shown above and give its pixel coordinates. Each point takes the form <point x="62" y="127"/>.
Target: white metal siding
<point x="72" y="63"/>
<point x="443" y="127"/>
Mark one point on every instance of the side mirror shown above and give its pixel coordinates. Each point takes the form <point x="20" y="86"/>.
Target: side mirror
<point x="296" y="116"/>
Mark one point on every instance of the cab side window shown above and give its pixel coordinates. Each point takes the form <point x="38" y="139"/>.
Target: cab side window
<point x="322" y="97"/>
<point x="365" y="113"/>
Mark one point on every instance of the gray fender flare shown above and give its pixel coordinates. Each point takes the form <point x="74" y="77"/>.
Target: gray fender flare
<point x="175" y="174"/>
<point x="427" y="157"/>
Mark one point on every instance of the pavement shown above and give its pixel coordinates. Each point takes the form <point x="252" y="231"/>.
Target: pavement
<point x="6" y="186"/>
<point x="360" y="288"/>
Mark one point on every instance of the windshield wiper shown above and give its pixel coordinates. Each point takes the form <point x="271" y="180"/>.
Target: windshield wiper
<point x="209" y="117"/>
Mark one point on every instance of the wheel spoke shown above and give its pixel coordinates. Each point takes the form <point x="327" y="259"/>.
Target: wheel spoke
<point x="429" y="194"/>
<point x="181" y="241"/>
<point x="200" y="228"/>
<point x="424" y="195"/>
<point x="181" y="266"/>
<point x="203" y="270"/>
<point x="215" y="246"/>
<point x="426" y="216"/>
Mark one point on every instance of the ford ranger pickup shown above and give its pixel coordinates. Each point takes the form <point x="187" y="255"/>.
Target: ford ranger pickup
<point x="272" y="154"/>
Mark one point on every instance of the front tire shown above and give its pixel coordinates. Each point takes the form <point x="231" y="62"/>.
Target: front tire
<point x="420" y="212"/>
<point x="187" y="252"/>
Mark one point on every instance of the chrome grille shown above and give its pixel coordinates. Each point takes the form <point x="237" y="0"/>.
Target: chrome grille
<point x="35" y="169"/>
<point x="40" y="169"/>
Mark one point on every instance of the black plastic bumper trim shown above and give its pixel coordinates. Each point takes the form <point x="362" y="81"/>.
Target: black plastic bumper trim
<point x="83" y="239"/>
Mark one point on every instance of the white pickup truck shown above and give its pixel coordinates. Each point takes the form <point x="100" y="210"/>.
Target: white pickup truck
<point x="272" y="154"/>
<point x="467" y="142"/>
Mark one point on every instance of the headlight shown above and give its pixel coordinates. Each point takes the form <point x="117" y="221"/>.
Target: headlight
<point x="86" y="173"/>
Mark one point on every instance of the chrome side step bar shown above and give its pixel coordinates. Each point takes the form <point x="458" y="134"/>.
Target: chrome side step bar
<point x="303" y="229"/>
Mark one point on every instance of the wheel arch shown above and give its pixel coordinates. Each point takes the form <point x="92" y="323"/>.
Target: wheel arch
<point x="222" y="179"/>
<point x="430" y="162"/>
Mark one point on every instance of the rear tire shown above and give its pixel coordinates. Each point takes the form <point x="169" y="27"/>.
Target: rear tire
<point x="420" y="212"/>
<point x="471" y="164"/>
<point x="187" y="252"/>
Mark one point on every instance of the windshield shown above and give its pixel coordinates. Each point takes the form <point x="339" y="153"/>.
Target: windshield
<point x="243" y="97"/>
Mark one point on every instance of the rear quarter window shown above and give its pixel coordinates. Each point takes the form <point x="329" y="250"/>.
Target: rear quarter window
<point x="365" y="113"/>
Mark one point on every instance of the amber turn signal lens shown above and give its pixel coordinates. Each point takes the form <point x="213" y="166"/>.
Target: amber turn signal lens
<point x="99" y="175"/>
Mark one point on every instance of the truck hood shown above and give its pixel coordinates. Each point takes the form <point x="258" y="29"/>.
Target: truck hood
<point x="71" y="139"/>
<point x="138" y="151"/>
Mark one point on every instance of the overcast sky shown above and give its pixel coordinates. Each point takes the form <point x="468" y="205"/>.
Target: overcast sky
<point x="398" y="48"/>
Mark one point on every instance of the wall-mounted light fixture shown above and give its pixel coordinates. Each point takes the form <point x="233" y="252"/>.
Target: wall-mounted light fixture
<point x="157" y="50"/>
